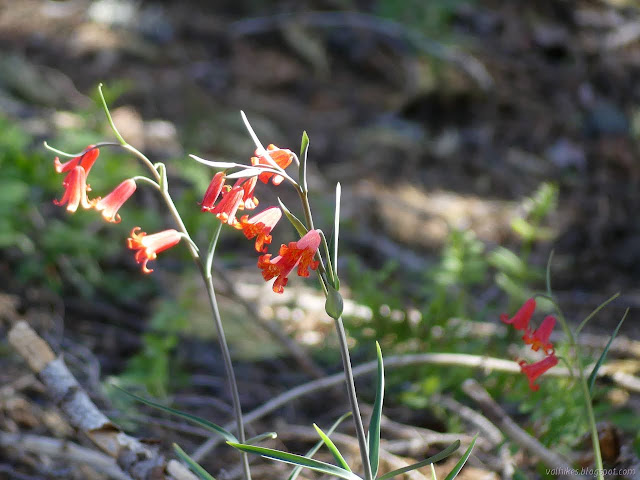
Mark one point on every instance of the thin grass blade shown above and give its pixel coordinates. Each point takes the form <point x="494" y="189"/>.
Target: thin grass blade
<point x="376" y="415"/>
<point x="454" y="473"/>
<point x="429" y="461"/>
<point x="212" y="427"/>
<point x="262" y="436"/>
<point x="296" y="471"/>
<point x="603" y="356"/>
<point x="293" y="459"/>
<point x="193" y="465"/>
<point x="593" y="314"/>
<point x="332" y="448"/>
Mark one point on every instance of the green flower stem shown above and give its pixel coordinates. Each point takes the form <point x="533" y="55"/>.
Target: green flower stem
<point x="353" y="400"/>
<point x="344" y="350"/>
<point x="159" y="173"/>
<point x="585" y="394"/>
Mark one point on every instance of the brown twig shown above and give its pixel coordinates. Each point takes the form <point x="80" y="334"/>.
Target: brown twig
<point x="136" y="459"/>
<point x="498" y="416"/>
<point x="487" y="364"/>
<point x="63" y="449"/>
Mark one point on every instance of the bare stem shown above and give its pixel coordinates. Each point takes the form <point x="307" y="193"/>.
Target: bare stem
<point x="353" y="400"/>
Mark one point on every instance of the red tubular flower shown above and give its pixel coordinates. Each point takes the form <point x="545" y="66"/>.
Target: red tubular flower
<point x="282" y="157"/>
<point x="75" y="184"/>
<point x="534" y="370"/>
<point x="249" y="201"/>
<point x="86" y="161"/>
<point x="260" y="225"/>
<point x="149" y="246"/>
<point x="540" y="337"/>
<point x="228" y="206"/>
<point x="521" y="319"/>
<point x="110" y="204"/>
<point x="298" y="254"/>
<point x="213" y="191"/>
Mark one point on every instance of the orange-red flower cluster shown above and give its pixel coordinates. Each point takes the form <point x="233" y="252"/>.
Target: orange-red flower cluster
<point x="538" y="339"/>
<point x="224" y="201"/>
<point x="76" y="188"/>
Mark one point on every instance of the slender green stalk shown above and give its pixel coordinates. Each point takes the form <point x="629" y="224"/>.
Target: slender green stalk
<point x="159" y="173"/>
<point x="344" y="350"/>
<point x="353" y="399"/>
<point x="585" y="394"/>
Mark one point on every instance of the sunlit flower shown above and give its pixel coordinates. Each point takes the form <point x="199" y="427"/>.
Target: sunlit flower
<point x="75" y="184"/>
<point x="86" y="161"/>
<point x="540" y="337"/>
<point x="149" y="246"/>
<point x="534" y="370"/>
<point x="249" y="201"/>
<point x="213" y="191"/>
<point x="282" y="157"/>
<point x="298" y="254"/>
<point x="228" y="206"/>
<point x="260" y="226"/>
<point x="110" y="204"/>
<point x="520" y="320"/>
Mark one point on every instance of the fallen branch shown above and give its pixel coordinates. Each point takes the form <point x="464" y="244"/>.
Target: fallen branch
<point x="487" y="364"/>
<point x="511" y="429"/>
<point x="136" y="459"/>
<point x="62" y="449"/>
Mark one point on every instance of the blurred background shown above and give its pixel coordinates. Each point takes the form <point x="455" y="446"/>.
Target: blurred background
<point x="471" y="138"/>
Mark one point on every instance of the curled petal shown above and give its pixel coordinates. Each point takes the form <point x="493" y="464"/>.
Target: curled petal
<point x="148" y="246"/>
<point x="534" y="370"/>
<point x="75" y="194"/>
<point x="520" y="320"/>
<point x="213" y="191"/>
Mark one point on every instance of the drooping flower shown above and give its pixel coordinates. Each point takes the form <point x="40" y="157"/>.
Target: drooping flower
<point x="282" y="157"/>
<point x="110" y="204"/>
<point x="249" y="201"/>
<point x="226" y="208"/>
<point x="75" y="184"/>
<point x="520" y="320"/>
<point x="540" y="337"/>
<point x="298" y="254"/>
<point x="86" y="161"/>
<point x="260" y="225"/>
<point x="213" y="191"/>
<point x="149" y="246"/>
<point x="534" y="370"/>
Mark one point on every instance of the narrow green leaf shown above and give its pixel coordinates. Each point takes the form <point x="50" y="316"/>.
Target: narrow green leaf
<point x="431" y="460"/>
<point x="297" y="224"/>
<point x="193" y="465"/>
<point x="302" y="174"/>
<point x="332" y="448"/>
<point x="433" y="473"/>
<point x="336" y="233"/>
<point x="246" y="172"/>
<point x="454" y="473"/>
<point x="192" y="418"/>
<point x="297" y="460"/>
<point x="262" y="436"/>
<point x="296" y="471"/>
<point x="596" y="367"/>
<point x="548" y="273"/>
<point x="376" y="415"/>
<point x="593" y="314"/>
